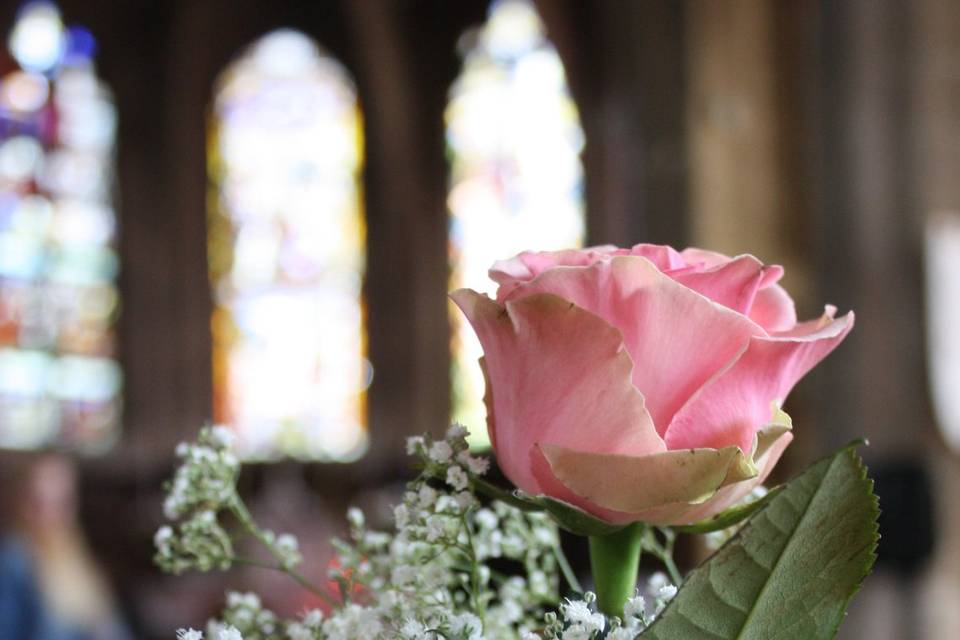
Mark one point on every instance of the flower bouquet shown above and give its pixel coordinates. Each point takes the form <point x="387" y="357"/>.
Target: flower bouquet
<point x="633" y="395"/>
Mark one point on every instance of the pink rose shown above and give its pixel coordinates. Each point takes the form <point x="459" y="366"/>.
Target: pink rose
<point x="642" y="384"/>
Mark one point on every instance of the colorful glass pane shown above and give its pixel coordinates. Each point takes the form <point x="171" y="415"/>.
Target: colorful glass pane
<point x="517" y="181"/>
<point x="59" y="383"/>
<point x="287" y="253"/>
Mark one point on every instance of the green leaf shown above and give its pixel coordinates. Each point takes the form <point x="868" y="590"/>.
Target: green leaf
<point x="728" y="517"/>
<point x="791" y="570"/>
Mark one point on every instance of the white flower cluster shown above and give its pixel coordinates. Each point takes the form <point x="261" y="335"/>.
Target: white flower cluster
<point x="577" y="619"/>
<point x="204" y="486"/>
<point x="228" y="633"/>
<point x="205" y="480"/>
<point x="452" y="569"/>
<point x="245" y="618"/>
<point x="433" y="578"/>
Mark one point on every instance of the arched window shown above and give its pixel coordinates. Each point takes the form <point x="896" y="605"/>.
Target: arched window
<point x="286" y="246"/>
<point x="59" y="383"/>
<point x="516" y="179"/>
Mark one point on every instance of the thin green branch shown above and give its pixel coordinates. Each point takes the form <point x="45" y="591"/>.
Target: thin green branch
<point x="566" y="569"/>
<point x="243" y="516"/>
<point x="478" y="605"/>
<point x="664" y="552"/>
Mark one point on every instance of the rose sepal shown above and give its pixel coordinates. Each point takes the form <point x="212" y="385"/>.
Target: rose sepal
<point x="570" y="517"/>
<point x="728" y="517"/>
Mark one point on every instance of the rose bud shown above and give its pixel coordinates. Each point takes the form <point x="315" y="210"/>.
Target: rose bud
<point x="642" y="384"/>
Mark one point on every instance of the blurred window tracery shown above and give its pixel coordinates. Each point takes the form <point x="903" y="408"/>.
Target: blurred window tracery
<point x="59" y="382"/>
<point x="514" y="140"/>
<point x="286" y="247"/>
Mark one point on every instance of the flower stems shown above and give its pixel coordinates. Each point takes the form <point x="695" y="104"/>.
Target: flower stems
<point x="614" y="561"/>
<point x="664" y="552"/>
<point x="566" y="570"/>
<point x="242" y="514"/>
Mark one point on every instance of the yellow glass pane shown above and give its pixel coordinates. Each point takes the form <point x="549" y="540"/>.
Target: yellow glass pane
<point x="287" y="253"/>
<point x="514" y="137"/>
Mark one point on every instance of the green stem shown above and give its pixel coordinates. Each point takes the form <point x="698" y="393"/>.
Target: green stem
<point x="672" y="570"/>
<point x="664" y="552"/>
<point x="243" y="516"/>
<point x="614" y="560"/>
<point x="478" y="605"/>
<point x="566" y="569"/>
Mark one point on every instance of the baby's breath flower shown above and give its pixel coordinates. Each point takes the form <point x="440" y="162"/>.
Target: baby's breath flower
<point x="475" y="465"/>
<point x="403" y="575"/>
<point x="436" y="528"/>
<point x="667" y="592"/>
<point x="635" y="607"/>
<point x="578" y="612"/>
<point x="401" y="516"/>
<point x="430" y="578"/>
<point x="457" y="431"/>
<point x="457" y="478"/>
<point x="578" y="632"/>
<point x="415" y="445"/>
<point x="657" y="581"/>
<point x="298" y="631"/>
<point x="355" y="518"/>
<point x="221" y="437"/>
<point x="465" y="500"/>
<point x="466" y="626"/>
<point x="427" y="496"/>
<point x="413" y="630"/>
<point x="440" y="452"/>
<point x="288" y="548"/>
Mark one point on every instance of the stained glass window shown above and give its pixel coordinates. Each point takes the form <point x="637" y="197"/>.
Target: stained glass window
<point x="59" y="383"/>
<point x="942" y="256"/>
<point x="514" y="137"/>
<point x="286" y="250"/>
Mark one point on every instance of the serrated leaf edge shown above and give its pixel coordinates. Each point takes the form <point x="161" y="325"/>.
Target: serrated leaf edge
<point x="869" y="558"/>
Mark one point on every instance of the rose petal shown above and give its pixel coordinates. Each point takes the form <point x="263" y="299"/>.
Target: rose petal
<point x="773" y="309"/>
<point x="733" y="284"/>
<point x="767" y="448"/>
<point x="549" y="485"/>
<point x="636" y="483"/>
<point x="772" y="441"/>
<point x="529" y="264"/>
<point x="708" y="259"/>
<point x="488" y="404"/>
<point x="809" y="327"/>
<point x="681" y="338"/>
<point x="728" y="409"/>
<point x="557" y="373"/>
<point x="731" y="494"/>
<point x="663" y="256"/>
<point x="725" y="497"/>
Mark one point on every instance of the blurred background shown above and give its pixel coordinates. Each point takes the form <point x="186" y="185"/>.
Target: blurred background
<point x="250" y="213"/>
